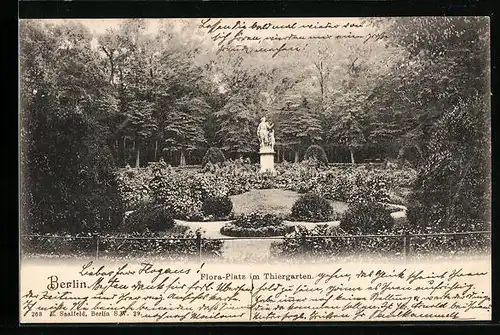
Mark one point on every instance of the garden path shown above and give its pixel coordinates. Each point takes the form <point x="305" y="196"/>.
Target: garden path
<point x="234" y="249"/>
<point x="276" y="201"/>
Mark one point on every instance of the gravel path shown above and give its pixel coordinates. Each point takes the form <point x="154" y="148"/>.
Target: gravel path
<point x="275" y="201"/>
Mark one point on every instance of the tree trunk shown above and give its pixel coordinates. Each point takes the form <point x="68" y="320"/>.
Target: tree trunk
<point x="156" y="149"/>
<point x="182" y="159"/>
<point x="296" y="158"/>
<point x="137" y="157"/>
<point x="453" y="197"/>
<point x="352" y="156"/>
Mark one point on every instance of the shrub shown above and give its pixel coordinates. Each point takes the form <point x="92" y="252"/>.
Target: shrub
<point x="217" y="206"/>
<point x="366" y="218"/>
<point x="254" y="220"/>
<point x="335" y="185"/>
<point x="255" y="225"/>
<point x="133" y="186"/>
<point x="183" y="194"/>
<point x="175" y="246"/>
<point x="316" y="153"/>
<point x="312" y="207"/>
<point x="81" y="244"/>
<point x="297" y="177"/>
<point x="323" y="240"/>
<point x="370" y="187"/>
<point x="213" y="155"/>
<point x="171" y="246"/>
<point x="452" y="191"/>
<point x="238" y="177"/>
<point x="235" y="231"/>
<point x="304" y="241"/>
<point x="148" y="217"/>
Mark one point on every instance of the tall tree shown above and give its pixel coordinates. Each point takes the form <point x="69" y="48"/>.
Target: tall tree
<point x="182" y="131"/>
<point x="347" y="133"/>
<point x="68" y="182"/>
<point x="238" y="124"/>
<point x="298" y="126"/>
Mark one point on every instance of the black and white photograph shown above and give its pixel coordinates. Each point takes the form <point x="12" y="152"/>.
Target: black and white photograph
<point x="257" y="141"/>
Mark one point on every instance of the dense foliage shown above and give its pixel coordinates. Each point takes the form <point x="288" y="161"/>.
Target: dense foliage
<point x="312" y="207"/>
<point x="124" y="245"/>
<point x="234" y="177"/>
<point x="218" y="207"/>
<point x="92" y="102"/>
<point x="183" y="194"/>
<point x="214" y="156"/>
<point x="68" y="181"/>
<point x="332" y="241"/>
<point x="452" y="192"/>
<point x="366" y="218"/>
<point x="316" y="153"/>
<point x="148" y="217"/>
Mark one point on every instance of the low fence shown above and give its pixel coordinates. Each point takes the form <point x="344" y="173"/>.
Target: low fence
<point x="401" y="245"/>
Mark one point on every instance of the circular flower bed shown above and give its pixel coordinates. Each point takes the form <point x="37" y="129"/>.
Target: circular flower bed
<point x="256" y="225"/>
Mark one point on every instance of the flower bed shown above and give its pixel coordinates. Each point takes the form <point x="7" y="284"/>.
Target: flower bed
<point x="256" y="225"/>
<point x="183" y="192"/>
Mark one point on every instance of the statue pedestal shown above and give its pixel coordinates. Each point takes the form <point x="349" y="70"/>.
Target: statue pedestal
<point x="267" y="160"/>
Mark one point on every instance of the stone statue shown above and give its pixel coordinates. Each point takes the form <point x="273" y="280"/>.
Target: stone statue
<point x="265" y="133"/>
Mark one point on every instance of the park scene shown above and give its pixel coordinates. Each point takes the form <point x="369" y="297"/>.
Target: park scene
<point x="224" y="140"/>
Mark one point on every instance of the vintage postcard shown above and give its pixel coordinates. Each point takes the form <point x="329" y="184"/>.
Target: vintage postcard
<point x="255" y="170"/>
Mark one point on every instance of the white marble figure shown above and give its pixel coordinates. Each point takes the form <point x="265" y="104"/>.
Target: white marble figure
<point x="265" y="133"/>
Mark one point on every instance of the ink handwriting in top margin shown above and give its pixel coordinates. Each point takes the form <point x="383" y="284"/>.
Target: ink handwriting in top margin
<point x="241" y="36"/>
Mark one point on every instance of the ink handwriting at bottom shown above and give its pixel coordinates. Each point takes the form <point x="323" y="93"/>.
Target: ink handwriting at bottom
<point x="150" y="293"/>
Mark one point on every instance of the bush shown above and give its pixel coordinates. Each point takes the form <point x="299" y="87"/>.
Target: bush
<point x="77" y="245"/>
<point x="255" y="220"/>
<point x="297" y="244"/>
<point x="213" y="155"/>
<point x="175" y="246"/>
<point x="255" y="225"/>
<point x="366" y="218"/>
<point x="235" y="231"/>
<point x="370" y="187"/>
<point x="335" y="185"/>
<point x="148" y="217"/>
<point x="452" y="192"/>
<point x="312" y="207"/>
<point x="183" y="194"/>
<point x="72" y="189"/>
<point x="217" y="206"/>
<point x="332" y="241"/>
<point x="316" y="153"/>
<point x="133" y="187"/>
